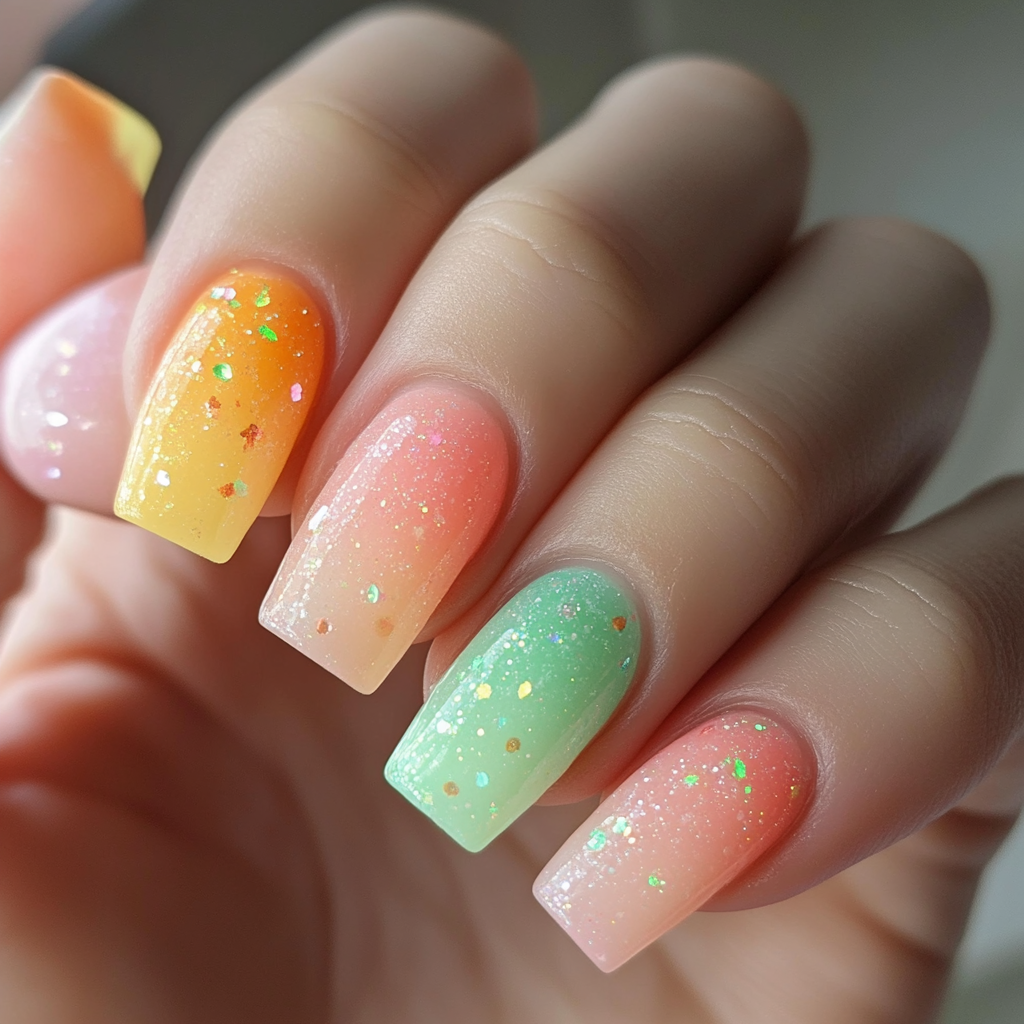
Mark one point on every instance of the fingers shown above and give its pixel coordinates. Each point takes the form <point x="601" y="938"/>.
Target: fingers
<point x="893" y="675"/>
<point x="287" y="251"/>
<point x="724" y="481"/>
<point x="73" y="166"/>
<point x="550" y="303"/>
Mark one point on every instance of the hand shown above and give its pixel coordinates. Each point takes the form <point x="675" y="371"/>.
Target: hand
<point x="711" y="425"/>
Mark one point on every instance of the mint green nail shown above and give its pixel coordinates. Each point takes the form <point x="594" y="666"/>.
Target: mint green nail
<point x="519" y="704"/>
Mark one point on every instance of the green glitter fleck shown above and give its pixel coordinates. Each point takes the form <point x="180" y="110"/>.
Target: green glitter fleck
<point x="759" y="727"/>
<point x="267" y="332"/>
<point x="234" y="304"/>
<point x="620" y="826"/>
<point x="373" y="593"/>
<point x="654" y="881"/>
<point x="241" y="488"/>
<point x="597" y="840"/>
<point x="263" y="299"/>
<point x="482" y="779"/>
<point x="691" y="780"/>
<point x="740" y="770"/>
<point x="747" y="789"/>
<point x="222" y="371"/>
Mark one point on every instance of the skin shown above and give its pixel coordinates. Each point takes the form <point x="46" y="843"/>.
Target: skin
<point x="193" y="825"/>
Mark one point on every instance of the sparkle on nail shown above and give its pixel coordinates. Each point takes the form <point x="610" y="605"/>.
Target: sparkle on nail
<point x="597" y="840"/>
<point x="654" y="881"/>
<point x="759" y="727"/>
<point x="163" y="478"/>
<point x="55" y="419"/>
<point x="373" y="593"/>
<point x="525" y="689"/>
<point x="619" y="623"/>
<point x="267" y="332"/>
<point x="483" y="691"/>
<point x="263" y="299"/>
<point x="53" y="473"/>
<point x="197" y="366"/>
<point x="450" y="789"/>
<point x="323" y="626"/>
<point x="512" y="744"/>
<point x="222" y="371"/>
<point x="321" y="514"/>
<point x="739" y="769"/>
<point x="621" y="826"/>
<point x="296" y="392"/>
<point x="482" y="779"/>
<point x="691" y="780"/>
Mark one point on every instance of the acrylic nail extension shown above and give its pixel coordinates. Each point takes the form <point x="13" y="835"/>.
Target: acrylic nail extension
<point x="406" y="508"/>
<point x="675" y="832"/>
<point x="527" y="694"/>
<point x="223" y="412"/>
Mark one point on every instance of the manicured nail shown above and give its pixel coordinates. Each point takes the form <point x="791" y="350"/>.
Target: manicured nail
<point x="406" y="508"/>
<point x="65" y="426"/>
<point x="100" y="120"/>
<point x="675" y="832"/>
<point x="223" y="412"/>
<point x="519" y="704"/>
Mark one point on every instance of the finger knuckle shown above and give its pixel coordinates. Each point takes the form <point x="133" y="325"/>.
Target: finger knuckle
<point x="552" y="245"/>
<point x="734" y="446"/>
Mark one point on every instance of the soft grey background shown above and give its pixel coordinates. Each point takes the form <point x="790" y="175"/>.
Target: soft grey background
<point x="916" y="108"/>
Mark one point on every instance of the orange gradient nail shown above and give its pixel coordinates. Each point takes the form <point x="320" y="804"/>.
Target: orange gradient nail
<point x="408" y="505"/>
<point x="74" y="164"/>
<point x="681" y="827"/>
<point x="223" y="412"/>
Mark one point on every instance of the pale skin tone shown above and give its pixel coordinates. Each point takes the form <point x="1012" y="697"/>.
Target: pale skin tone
<point x="193" y="824"/>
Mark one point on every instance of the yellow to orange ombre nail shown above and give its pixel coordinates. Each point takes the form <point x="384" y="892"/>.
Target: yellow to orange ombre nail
<point x="223" y="413"/>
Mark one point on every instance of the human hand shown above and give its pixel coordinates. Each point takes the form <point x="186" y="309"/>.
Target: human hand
<point x="719" y="423"/>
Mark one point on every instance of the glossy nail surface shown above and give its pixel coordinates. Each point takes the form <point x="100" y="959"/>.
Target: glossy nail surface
<point x="675" y="832"/>
<point x="518" y="705"/>
<point x="406" y="508"/>
<point x="65" y="423"/>
<point x="223" y="412"/>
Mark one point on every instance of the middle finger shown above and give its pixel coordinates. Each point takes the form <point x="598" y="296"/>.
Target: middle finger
<point x="556" y="297"/>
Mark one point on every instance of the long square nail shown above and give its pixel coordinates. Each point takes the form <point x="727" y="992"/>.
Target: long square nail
<point x="676" y="831"/>
<point x="223" y="413"/>
<point x="408" y="505"/>
<point x="515" y="709"/>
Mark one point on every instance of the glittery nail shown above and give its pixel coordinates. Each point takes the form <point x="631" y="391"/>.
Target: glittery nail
<point x="676" y="831"/>
<point x="220" y="418"/>
<point x="519" y="704"/>
<point x="406" y="508"/>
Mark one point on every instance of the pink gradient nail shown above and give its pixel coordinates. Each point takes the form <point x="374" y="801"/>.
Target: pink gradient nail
<point x="409" y="504"/>
<point x="676" y="831"/>
<point x="65" y="427"/>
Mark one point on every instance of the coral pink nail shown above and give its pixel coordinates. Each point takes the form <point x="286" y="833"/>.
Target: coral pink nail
<point x="409" y="504"/>
<point x="676" y="831"/>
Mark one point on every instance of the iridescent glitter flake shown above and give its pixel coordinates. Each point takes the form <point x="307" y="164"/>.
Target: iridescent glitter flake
<point x="222" y="371"/>
<point x="551" y="698"/>
<point x="267" y="332"/>
<point x="698" y="813"/>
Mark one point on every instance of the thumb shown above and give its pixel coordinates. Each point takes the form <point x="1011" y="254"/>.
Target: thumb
<point x="74" y="164"/>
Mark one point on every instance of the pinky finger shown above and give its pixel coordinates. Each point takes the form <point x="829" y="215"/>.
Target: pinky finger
<point x="865" y="704"/>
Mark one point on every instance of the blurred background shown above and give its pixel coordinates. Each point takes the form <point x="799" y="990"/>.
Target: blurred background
<point x="916" y="109"/>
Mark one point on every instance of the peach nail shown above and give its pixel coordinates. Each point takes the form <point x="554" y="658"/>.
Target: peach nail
<point x="676" y="831"/>
<point x="408" y="505"/>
